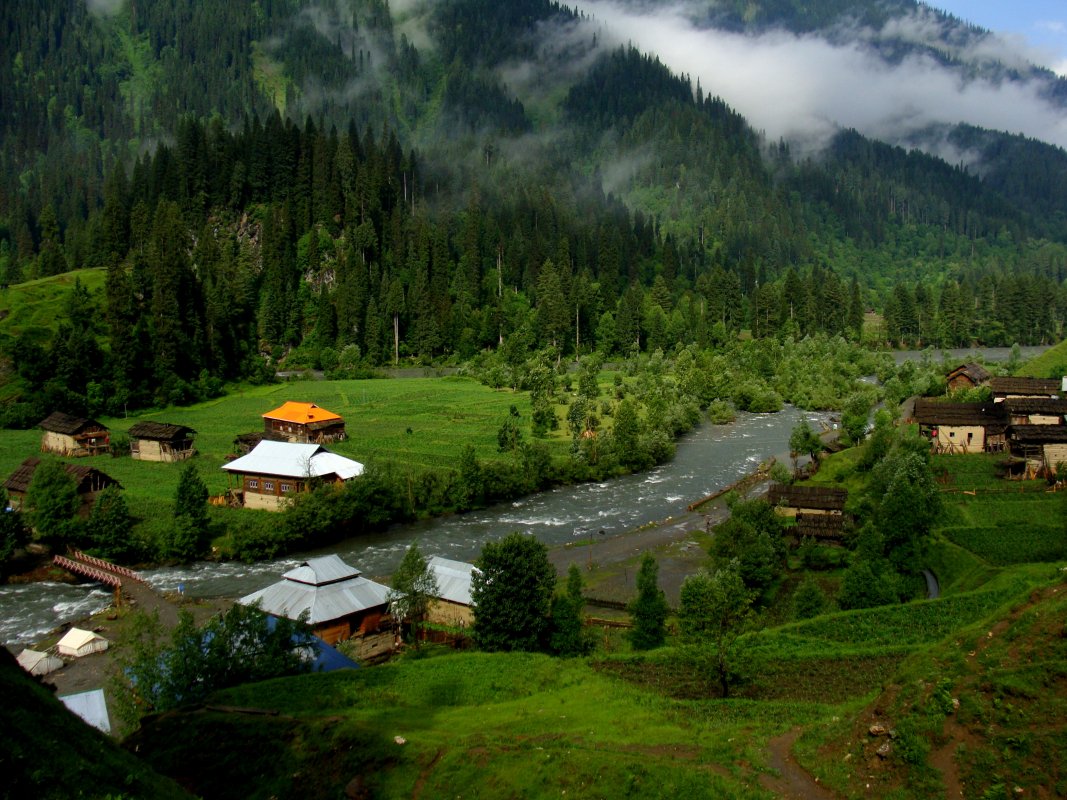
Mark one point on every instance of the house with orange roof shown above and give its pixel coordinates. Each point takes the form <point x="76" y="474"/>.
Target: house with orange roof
<point x="305" y="423"/>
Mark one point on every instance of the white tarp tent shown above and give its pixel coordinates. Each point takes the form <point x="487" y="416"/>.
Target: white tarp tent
<point x="77" y="642"/>
<point x="37" y="663"/>
<point x="91" y="707"/>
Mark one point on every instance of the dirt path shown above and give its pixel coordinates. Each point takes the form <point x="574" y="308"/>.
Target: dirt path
<point x="794" y="783"/>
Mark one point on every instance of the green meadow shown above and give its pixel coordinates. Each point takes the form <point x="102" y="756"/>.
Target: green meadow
<point x="30" y="308"/>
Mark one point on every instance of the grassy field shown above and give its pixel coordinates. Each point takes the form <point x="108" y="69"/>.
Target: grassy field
<point x="417" y="423"/>
<point x="1050" y="364"/>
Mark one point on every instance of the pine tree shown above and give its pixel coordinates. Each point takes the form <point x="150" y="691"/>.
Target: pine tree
<point x="649" y="609"/>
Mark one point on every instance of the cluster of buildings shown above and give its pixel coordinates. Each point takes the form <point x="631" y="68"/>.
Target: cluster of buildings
<point x="1025" y="418"/>
<point x="283" y="459"/>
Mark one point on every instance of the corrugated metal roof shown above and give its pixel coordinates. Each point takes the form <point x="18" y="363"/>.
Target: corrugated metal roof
<point x="453" y="579"/>
<point x="294" y="460"/>
<point x="303" y="413"/>
<point x="322" y="570"/>
<point x="90" y="706"/>
<point x="289" y="598"/>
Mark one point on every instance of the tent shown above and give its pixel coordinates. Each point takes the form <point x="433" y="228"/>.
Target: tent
<point x="38" y="663"/>
<point x="77" y="642"/>
<point x="91" y="707"/>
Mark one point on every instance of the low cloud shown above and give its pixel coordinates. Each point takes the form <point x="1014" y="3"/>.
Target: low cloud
<point x="805" y="88"/>
<point x="104" y="8"/>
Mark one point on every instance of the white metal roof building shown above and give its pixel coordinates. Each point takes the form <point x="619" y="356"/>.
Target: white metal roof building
<point x="338" y="599"/>
<point x="90" y="706"/>
<point x="453" y="604"/>
<point x="293" y="460"/>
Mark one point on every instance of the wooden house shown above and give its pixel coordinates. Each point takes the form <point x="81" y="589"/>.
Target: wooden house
<point x="66" y="435"/>
<point x="792" y="500"/>
<point x="967" y="376"/>
<point x="1040" y="448"/>
<point x="160" y="441"/>
<point x="89" y="482"/>
<point x="1003" y="388"/>
<point x="305" y="423"/>
<point x="452" y="605"/>
<point x="1035" y="410"/>
<point x="961" y="427"/>
<point x="273" y="472"/>
<point x="824" y="528"/>
<point x="339" y="601"/>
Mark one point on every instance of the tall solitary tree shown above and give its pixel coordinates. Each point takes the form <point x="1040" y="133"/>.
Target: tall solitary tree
<point x="512" y="594"/>
<point x="712" y="612"/>
<point x="649" y="609"/>
<point x="568" y="635"/>
<point x="51" y="502"/>
<point x="413" y="589"/>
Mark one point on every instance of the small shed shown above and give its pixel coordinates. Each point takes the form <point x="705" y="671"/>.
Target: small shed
<point x="66" y="435"/>
<point x="339" y="601"/>
<point x="161" y="441"/>
<point x="305" y="423"/>
<point x="453" y="605"/>
<point x="37" y="663"/>
<point x="1042" y="447"/>
<point x="77" y="643"/>
<point x="962" y="427"/>
<point x="825" y="528"/>
<point x="1036" y="410"/>
<point x="792" y="500"/>
<point x="91" y="706"/>
<point x="967" y="376"/>
<point x="89" y="482"/>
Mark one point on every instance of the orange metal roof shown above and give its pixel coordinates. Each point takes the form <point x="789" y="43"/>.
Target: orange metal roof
<point x="303" y="413"/>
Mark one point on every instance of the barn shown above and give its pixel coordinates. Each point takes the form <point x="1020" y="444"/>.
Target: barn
<point x="160" y="441"/>
<point x="66" y="435"/>
<point x="791" y="500"/>
<point x="88" y="480"/>
<point x="967" y="376"/>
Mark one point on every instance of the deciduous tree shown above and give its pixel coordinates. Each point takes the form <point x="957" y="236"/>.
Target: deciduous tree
<point x="512" y="593"/>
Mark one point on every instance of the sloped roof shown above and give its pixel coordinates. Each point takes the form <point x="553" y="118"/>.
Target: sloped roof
<point x="321" y="571"/>
<point x="976" y="372"/>
<point x="828" y="498"/>
<point x="302" y="413"/>
<point x="20" y="479"/>
<point x="159" y="431"/>
<point x="250" y="440"/>
<point x="1047" y="387"/>
<point x="1036" y="405"/>
<point x="294" y="460"/>
<point x="934" y="412"/>
<point x="291" y="596"/>
<point x="453" y="579"/>
<point x="58" y="422"/>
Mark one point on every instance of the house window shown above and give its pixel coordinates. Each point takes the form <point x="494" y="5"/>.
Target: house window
<point x="952" y="434"/>
<point x="268" y="486"/>
<point x="286" y="487"/>
<point x="253" y="484"/>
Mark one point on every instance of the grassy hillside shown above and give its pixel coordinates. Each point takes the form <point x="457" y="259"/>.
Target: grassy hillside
<point x="47" y="752"/>
<point x="35" y="308"/>
<point x="1050" y="364"/>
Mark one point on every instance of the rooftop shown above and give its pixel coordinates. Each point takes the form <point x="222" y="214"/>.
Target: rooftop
<point x="294" y="460"/>
<point x="159" y="431"/>
<point x="58" y="422"/>
<point x="302" y="413"/>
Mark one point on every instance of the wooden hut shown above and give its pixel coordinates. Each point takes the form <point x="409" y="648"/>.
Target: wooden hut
<point x="305" y="423"/>
<point x="88" y="480"/>
<point x="967" y="376"/>
<point x="962" y="427"/>
<point x="1035" y="410"/>
<point x="792" y="500"/>
<point x="66" y="435"/>
<point x="160" y="441"/>
<point x="825" y="528"/>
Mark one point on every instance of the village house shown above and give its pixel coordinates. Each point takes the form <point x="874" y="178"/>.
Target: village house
<point x="159" y="441"/>
<point x="340" y="602"/>
<point x="452" y="605"/>
<point x="961" y="427"/>
<point x="66" y="435"/>
<point x="88" y="480"/>
<point x="305" y="422"/>
<point x="1004" y="388"/>
<point x="273" y="472"/>
<point x="967" y="376"/>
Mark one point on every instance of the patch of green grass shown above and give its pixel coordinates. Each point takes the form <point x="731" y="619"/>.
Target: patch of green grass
<point x="1050" y="364"/>
<point x="29" y="309"/>
<point x="1013" y="543"/>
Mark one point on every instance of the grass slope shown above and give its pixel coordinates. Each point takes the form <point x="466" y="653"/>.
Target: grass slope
<point x="29" y="309"/>
<point x="1050" y="364"/>
<point x="47" y="752"/>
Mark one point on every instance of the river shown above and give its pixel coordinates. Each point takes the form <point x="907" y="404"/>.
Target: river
<point x="707" y="459"/>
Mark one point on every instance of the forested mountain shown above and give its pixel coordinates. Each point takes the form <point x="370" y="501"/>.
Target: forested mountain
<point x="340" y="184"/>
